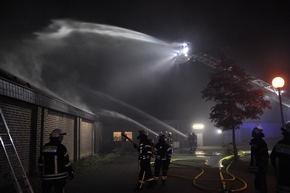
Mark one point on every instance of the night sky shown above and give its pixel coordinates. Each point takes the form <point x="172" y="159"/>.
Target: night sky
<point x="115" y="55"/>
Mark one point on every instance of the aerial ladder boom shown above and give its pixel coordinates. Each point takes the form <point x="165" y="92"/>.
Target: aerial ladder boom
<point x="213" y="62"/>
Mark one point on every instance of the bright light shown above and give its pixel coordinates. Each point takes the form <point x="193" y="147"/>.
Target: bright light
<point x="278" y="82"/>
<point x="198" y="126"/>
<point x="219" y="131"/>
<point x="181" y="52"/>
<point x="185" y="49"/>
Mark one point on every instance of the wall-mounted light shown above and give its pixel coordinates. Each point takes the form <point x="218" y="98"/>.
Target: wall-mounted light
<point x="198" y="126"/>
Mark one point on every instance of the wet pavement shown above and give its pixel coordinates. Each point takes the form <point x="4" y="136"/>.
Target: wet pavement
<point x="120" y="175"/>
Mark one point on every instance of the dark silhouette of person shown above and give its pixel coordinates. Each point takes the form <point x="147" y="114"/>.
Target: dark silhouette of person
<point x="162" y="160"/>
<point x="145" y="149"/>
<point x="259" y="159"/>
<point x="54" y="164"/>
<point x="192" y="138"/>
<point x="280" y="160"/>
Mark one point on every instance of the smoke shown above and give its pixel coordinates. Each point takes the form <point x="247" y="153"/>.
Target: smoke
<point x="75" y="60"/>
<point x="68" y="55"/>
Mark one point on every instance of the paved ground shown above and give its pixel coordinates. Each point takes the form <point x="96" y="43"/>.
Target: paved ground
<point x="121" y="174"/>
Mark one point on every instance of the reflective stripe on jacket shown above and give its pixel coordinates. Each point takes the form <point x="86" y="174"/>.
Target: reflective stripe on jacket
<point x="54" y="161"/>
<point x="145" y="150"/>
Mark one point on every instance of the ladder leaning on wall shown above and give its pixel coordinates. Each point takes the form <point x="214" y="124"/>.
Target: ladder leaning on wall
<point x="18" y="173"/>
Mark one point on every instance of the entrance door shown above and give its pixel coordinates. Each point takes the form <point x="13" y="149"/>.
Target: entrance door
<point x="199" y="139"/>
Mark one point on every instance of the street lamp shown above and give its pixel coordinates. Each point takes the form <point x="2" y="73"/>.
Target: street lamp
<point x="278" y="83"/>
<point x="219" y="131"/>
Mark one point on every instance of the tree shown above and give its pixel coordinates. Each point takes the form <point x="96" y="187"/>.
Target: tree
<point x="234" y="96"/>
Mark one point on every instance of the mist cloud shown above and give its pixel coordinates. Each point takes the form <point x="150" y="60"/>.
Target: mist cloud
<point x="72" y="58"/>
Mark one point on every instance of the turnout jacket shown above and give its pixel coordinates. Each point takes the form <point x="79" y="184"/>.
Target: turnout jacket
<point x="280" y="159"/>
<point x="163" y="151"/>
<point x="54" y="161"/>
<point x="259" y="155"/>
<point x="145" y="150"/>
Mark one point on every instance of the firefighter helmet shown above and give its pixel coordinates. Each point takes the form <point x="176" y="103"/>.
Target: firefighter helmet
<point x="257" y="131"/>
<point x="287" y="126"/>
<point x="161" y="137"/>
<point x="142" y="134"/>
<point x="57" y="133"/>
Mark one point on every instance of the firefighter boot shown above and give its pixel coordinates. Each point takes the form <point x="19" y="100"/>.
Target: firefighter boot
<point x="151" y="183"/>
<point x="155" y="181"/>
<point x="139" y="186"/>
<point x="141" y="182"/>
<point x="164" y="178"/>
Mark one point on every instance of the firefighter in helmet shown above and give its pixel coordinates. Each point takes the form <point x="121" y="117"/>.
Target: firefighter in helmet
<point x="168" y="138"/>
<point x="54" y="163"/>
<point x="192" y="138"/>
<point x="145" y="150"/>
<point x="162" y="160"/>
<point x="259" y="159"/>
<point x="280" y="159"/>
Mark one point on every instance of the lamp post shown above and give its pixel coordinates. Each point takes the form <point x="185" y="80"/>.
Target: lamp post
<point x="278" y="83"/>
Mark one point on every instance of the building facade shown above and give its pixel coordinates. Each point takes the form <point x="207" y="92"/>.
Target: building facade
<point x="31" y="114"/>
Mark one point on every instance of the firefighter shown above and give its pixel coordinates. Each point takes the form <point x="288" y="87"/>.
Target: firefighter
<point x="280" y="159"/>
<point x="145" y="149"/>
<point x="168" y="139"/>
<point x="54" y="164"/>
<point x="162" y="160"/>
<point x="192" y="138"/>
<point x="259" y="159"/>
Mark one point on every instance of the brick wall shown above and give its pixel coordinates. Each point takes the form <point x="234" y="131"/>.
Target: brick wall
<point x="98" y="135"/>
<point x="39" y="140"/>
<point x="31" y="115"/>
<point x="30" y="126"/>
<point x="86" y="138"/>
<point x="18" y="119"/>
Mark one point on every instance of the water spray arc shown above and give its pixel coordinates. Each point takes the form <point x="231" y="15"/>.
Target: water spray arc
<point x="120" y="116"/>
<point x="62" y="28"/>
<point x="114" y="114"/>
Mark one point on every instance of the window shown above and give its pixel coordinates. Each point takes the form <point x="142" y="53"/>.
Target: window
<point x="129" y="134"/>
<point x="117" y="136"/>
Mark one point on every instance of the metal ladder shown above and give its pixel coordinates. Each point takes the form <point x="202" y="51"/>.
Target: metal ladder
<point x="21" y="180"/>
